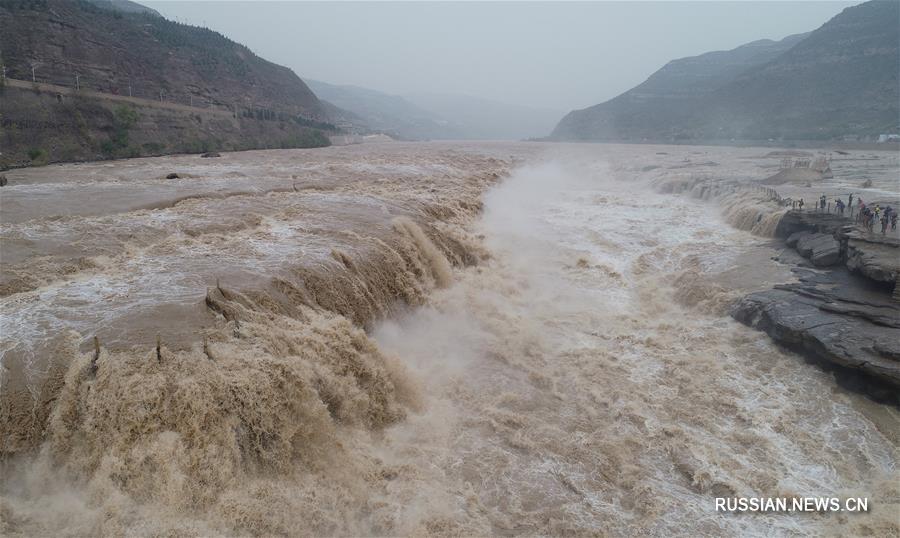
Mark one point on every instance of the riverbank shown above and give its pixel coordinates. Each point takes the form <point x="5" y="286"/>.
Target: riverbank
<point x="843" y="311"/>
<point x="838" y="306"/>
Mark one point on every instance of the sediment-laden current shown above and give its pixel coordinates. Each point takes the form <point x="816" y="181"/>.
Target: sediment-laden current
<point x="414" y="339"/>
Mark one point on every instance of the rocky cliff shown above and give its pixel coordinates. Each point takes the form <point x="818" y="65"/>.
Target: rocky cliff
<point x="841" y="313"/>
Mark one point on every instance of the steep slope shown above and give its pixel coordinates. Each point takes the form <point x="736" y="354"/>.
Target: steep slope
<point x="707" y="72"/>
<point x="345" y="119"/>
<point x="103" y="79"/>
<point x="374" y="111"/>
<point x="670" y="94"/>
<point x="112" y="51"/>
<point x="125" y="6"/>
<point x="840" y="79"/>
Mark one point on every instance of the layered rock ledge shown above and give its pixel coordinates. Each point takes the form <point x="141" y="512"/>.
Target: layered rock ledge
<point x="843" y="311"/>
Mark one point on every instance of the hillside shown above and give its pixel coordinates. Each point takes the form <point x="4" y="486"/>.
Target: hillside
<point x="842" y="79"/>
<point x="484" y="119"/>
<point x="125" y="6"/>
<point x="114" y="48"/>
<point x="374" y="111"/>
<point x="427" y="116"/>
<point x="839" y="80"/>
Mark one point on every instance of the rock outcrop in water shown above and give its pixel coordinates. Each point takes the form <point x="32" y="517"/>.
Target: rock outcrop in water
<point x="844" y="316"/>
<point x="808" y="221"/>
<point x="827" y="318"/>
<point x="821" y="249"/>
<point x="877" y="258"/>
<point x="818" y="235"/>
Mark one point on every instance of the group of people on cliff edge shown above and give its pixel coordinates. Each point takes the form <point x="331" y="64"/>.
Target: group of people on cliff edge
<point x="866" y="215"/>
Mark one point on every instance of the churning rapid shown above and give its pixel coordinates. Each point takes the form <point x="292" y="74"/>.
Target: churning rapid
<point x="423" y="339"/>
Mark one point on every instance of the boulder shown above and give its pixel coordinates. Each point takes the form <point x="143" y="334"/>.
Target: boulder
<point x="821" y="249"/>
<point x="210" y="154"/>
<point x="3" y="181"/>
<point x="173" y="175"/>
<point x="875" y="257"/>
<point x="810" y="221"/>
<point x="792" y="239"/>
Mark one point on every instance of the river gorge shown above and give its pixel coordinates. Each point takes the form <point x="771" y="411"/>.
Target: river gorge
<point x="421" y="339"/>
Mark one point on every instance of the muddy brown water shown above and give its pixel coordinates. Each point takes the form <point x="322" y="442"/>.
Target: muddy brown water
<point x="416" y="339"/>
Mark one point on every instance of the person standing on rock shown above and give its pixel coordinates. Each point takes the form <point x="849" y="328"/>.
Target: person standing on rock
<point x="839" y="206"/>
<point x="800" y="203"/>
<point x="850" y="200"/>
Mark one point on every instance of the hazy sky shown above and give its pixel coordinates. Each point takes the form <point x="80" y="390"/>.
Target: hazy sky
<point x="552" y="55"/>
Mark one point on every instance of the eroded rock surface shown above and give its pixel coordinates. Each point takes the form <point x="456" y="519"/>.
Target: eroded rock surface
<point x="809" y="221"/>
<point x="821" y="249"/>
<point x="835" y="318"/>
<point x="792" y="239"/>
<point x="875" y="257"/>
<point x="827" y="239"/>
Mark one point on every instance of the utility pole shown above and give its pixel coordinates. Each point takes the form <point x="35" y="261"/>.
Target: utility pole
<point x="77" y="86"/>
<point x="129" y="89"/>
<point x="32" y="73"/>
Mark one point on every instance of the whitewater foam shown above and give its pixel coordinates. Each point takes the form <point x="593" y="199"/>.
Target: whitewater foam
<point x="560" y="366"/>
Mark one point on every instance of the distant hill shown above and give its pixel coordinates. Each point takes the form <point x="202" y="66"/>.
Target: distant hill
<point x="373" y="111"/>
<point x="841" y="79"/>
<point x="426" y="116"/>
<point x="118" y="48"/>
<point x="477" y="118"/>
